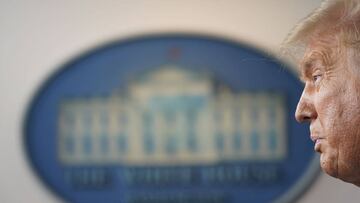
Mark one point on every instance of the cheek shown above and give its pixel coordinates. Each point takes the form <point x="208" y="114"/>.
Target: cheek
<point x="349" y="157"/>
<point x="328" y="111"/>
<point x="337" y="124"/>
<point x="339" y="116"/>
<point x="344" y="136"/>
<point x="336" y="109"/>
<point x="350" y="142"/>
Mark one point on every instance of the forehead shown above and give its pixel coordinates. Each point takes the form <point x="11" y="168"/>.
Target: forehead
<point x="318" y="49"/>
<point x="323" y="51"/>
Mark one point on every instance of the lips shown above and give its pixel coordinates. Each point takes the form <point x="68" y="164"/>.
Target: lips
<point x="314" y="134"/>
<point x="317" y="146"/>
<point x="317" y="140"/>
<point x="313" y="138"/>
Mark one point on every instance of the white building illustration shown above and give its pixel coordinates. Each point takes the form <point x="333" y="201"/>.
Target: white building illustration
<point x="172" y="116"/>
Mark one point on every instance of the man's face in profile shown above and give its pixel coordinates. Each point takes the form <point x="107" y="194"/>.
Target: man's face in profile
<point x="330" y="102"/>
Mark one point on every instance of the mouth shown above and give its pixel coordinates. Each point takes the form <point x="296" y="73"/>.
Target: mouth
<point x="317" y="146"/>
<point x="317" y="140"/>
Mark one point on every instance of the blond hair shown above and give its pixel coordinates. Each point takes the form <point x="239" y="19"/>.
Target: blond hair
<point x="339" y="19"/>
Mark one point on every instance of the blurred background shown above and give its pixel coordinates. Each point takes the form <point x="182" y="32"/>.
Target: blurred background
<point x="39" y="36"/>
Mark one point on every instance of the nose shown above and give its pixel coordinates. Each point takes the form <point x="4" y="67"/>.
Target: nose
<point x="305" y="110"/>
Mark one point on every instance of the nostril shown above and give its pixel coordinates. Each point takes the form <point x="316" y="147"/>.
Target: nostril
<point x="305" y="111"/>
<point x="302" y="117"/>
<point x="305" y="116"/>
<point x="306" y="119"/>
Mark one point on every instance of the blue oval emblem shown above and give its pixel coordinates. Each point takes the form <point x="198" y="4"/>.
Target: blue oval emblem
<point x="170" y="119"/>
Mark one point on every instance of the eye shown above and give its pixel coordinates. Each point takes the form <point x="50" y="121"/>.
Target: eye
<point x="316" y="77"/>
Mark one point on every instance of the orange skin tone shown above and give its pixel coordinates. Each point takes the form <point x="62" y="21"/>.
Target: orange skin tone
<point x="330" y="102"/>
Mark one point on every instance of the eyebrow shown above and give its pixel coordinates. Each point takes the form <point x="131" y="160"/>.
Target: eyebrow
<point x="305" y="67"/>
<point x="322" y="56"/>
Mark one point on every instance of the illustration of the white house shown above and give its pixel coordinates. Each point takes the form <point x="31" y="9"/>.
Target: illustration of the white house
<point x="172" y="115"/>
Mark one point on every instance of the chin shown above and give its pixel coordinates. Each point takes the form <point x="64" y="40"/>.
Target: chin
<point x="329" y="165"/>
<point x="330" y="171"/>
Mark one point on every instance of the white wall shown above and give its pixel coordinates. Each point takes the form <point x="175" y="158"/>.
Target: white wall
<point x="37" y="36"/>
